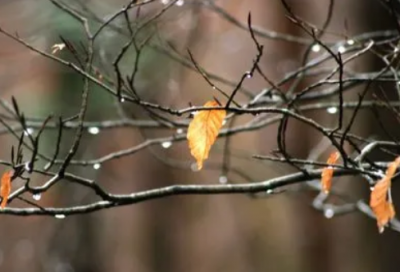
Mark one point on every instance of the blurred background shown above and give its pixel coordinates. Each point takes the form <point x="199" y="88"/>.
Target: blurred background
<point x="183" y="233"/>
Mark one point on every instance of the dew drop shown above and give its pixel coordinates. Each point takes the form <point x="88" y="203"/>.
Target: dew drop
<point x="223" y="179"/>
<point x="60" y="216"/>
<point x="316" y="48"/>
<point x="166" y="145"/>
<point x="179" y="131"/>
<point x="332" y="110"/>
<point x="270" y="191"/>
<point x="37" y="197"/>
<point x="341" y="49"/>
<point x="94" y="130"/>
<point x="27" y="166"/>
<point x="248" y="74"/>
<point x="28" y="131"/>
<point x="180" y="3"/>
<point x="122" y="100"/>
<point x="350" y="42"/>
<point x="96" y="166"/>
<point x="164" y="2"/>
<point x="329" y="213"/>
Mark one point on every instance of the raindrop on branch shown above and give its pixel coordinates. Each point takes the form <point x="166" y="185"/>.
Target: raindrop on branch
<point x="270" y="191"/>
<point x="122" y="100"/>
<point x="94" y="130"/>
<point x="332" y="110"/>
<point x="350" y="42"/>
<point x="248" y="74"/>
<point x="28" y="131"/>
<point x="166" y="145"/>
<point x="37" y="197"/>
<point x="180" y="3"/>
<point x="60" y="216"/>
<point x="223" y="179"/>
<point x="341" y="49"/>
<point x="329" y="213"/>
<point x="316" y="48"/>
<point x="179" y="131"/>
<point x="96" y="166"/>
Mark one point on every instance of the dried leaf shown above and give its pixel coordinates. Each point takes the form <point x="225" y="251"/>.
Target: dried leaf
<point x="327" y="172"/>
<point x="203" y="131"/>
<point x="5" y="188"/>
<point x="380" y="202"/>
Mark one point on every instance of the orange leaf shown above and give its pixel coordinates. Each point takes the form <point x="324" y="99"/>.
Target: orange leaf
<point x="382" y="208"/>
<point x="327" y="172"/>
<point x="203" y="131"/>
<point x="5" y="187"/>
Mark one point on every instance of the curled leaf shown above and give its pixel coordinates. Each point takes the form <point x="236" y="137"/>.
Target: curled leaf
<point x="327" y="172"/>
<point x="203" y="131"/>
<point x="5" y="188"/>
<point x="380" y="201"/>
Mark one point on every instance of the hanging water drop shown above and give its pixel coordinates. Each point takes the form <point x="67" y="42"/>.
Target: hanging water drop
<point x="60" y="216"/>
<point x="179" y="131"/>
<point x="164" y="2"/>
<point x="96" y="166"/>
<point x="270" y="191"/>
<point x="166" y="145"/>
<point x="94" y="130"/>
<point x="341" y="49"/>
<point x="329" y="213"/>
<point x="223" y="179"/>
<point x="249" y="75"/>
<point x="316" y="48"/>
<point x="37" y="196"/>
<point x="180" y="3"/>
<point x="350" y="42"/>
<point x="332" y="110"/>
<point x="122" y="100"/>
<point x="28" y="131"/>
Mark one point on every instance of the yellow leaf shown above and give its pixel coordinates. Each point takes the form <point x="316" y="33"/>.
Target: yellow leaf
<point x="5" y="188"/>
<point x="382" y="208"/>
<point x="203" y="131"/>
<point x="327" y="172"/>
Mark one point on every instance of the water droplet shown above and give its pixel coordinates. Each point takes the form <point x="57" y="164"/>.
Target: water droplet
<point x="223" y="179"/>
<point x="164" y="2"/>
<point x="224" y="122"/>
<point x="122" y="100"/>
<point x="28" y="131"/>
<point x="329" y="213"/>
<point x="270" y="191"/>
<point x="350" y="42"/>
<point x="332" y="110"/>
<point x="372" y="188"/>
<point x="179" y="131"/>
<point x="60" y="216"/>
<point x="341" y="49"/>
<point x="316" y="48"/>
<point x="248" y="74"/>
<point x="37" y="197"/>
<point x="27" y="166"/>
<point x="214" y="88"/>
<point x="94" y="130"/>
<point x="96" y="166"/>
<point x="180" y="3"/>
<point x="166" y="144"/>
